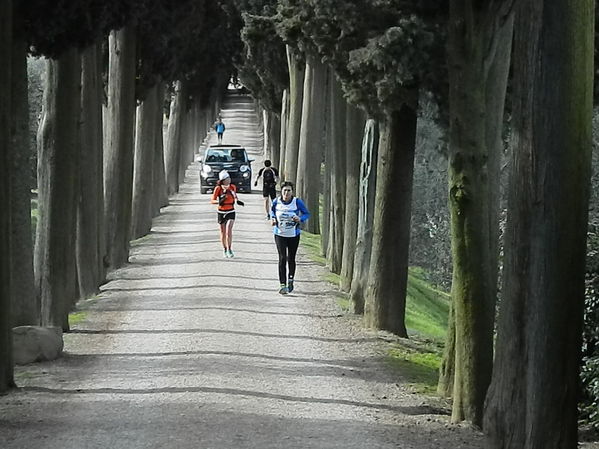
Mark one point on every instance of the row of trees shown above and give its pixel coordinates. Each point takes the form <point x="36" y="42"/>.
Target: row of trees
<point x="388" y="58"/>
<point x="104" y="167"/>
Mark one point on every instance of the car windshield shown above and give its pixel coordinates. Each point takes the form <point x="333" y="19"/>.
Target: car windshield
<point x="225" y="155"/>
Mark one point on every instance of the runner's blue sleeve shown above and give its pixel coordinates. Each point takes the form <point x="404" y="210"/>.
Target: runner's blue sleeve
<point x="273" y="209"/>
<point x="301" y="207"/>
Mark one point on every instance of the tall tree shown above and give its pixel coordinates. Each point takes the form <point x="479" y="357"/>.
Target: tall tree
<point x="478" y="55"/>
<point x="353" y="140"/>
<point x="90" y="198"/>
<point x="119" y="147"/>
<point x="532" y="400"/>
<point x="6" y="363"/>
<point x="366" y="209"/>
<point x="337" y="161"/>
<point x="54" y="257"/>
<point x="143" y="171"/>
<point x="173" y="151"/>
<point x="296" y="83"/>
<point x="25" y="303"/>
<point x="310" y="153"/>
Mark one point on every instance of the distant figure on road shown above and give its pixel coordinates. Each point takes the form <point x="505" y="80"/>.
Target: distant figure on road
<point x="219" y="127"/>
<point x="225" y="195"/>
<point x="287" y="213"/>
<point x="270" y="177"/>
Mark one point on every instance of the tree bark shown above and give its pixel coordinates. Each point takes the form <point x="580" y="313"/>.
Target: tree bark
<point x="366" y="205"/>
<point x="353" y="130"/>
<point x="143" y="168"/>
<point x="24" y="302"/>
<point x="477" y="36"/>
<point x="160" y="196"/>
<point x="338" y="107"/>
<point x="173" y="139"/>
<point x="296" y="90"/>
<point x="118" y="157"/>
<point x="447" y="368"/>
<point x="6" y="363"/>
<point x="279" y="160"/>
<point x="532" y="400"/>
<point x="272" y="133"/>
<point x="57" y="168"/>
<point x="387" y="284"/>
<point x="90" y="201"/>
<point x="311" y="140"/>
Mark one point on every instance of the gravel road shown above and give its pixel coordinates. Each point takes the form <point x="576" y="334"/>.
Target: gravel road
<point x="185" y="349"/>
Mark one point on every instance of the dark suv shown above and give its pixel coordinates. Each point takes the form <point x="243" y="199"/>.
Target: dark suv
<point x="232" y="158"/>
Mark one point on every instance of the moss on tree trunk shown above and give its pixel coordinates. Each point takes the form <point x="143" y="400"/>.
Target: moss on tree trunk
<point x="532" y="401"/>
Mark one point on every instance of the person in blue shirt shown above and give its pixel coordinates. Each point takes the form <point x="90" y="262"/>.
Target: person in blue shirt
<point x="287" y="212"/>
<point x="219" y="127"/>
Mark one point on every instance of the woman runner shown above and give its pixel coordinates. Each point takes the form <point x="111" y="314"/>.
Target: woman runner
<point x="287" y="213"/>
<point x="225" y="195"/>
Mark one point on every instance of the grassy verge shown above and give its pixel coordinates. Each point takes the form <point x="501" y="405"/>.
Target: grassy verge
<point x="427" y="308"/>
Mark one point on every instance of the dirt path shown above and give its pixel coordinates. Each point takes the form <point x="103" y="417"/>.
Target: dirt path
<point x="185" y="349"/>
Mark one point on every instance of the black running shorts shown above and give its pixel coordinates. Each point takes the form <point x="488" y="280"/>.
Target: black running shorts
<point x="223" y="217"/>
<point x="269" y="192"/>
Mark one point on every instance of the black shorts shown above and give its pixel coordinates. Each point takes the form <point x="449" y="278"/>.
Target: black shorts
<point x="222" y="217"/>
<point x="269" y="191"/>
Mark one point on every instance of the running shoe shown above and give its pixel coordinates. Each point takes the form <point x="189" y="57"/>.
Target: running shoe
<point x="225" y="253"/>
<point x="290" y="285"/>
<point x="231" y="254"/>
<point x="268" y="217"/>
<point x="283" y="290"/>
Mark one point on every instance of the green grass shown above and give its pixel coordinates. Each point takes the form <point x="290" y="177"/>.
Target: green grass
<point x="311" y="242"/>
<point x="417" y="367"/>
<point x="76" y="317"/>
<point x="427" y="308"/>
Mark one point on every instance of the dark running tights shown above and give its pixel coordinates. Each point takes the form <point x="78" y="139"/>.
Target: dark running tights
<point x="287" y="248"/>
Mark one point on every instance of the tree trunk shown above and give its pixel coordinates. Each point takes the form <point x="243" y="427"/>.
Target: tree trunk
<point x="474" y="265"/>
<point x="532" y="400"/>
<point x="311" y="140"/>
<point x="173" y="139"/>
<point x="386" y="288"/>
<point x="57" y="172"/>
<point x="185" y="143"/>
<point x="6" y="363"/>
<point x="353" y="130"/>
<point x="325" y="198"/>
<point x="160" y="196"/>
<point x="24" y="302"/>
<point x="272" y="134"/>
<point x="366" y="207"/>
<point x="338" y="107"/>
<point x="278" y="159"/>
<point x="118" y="157"/>
<point x="90" y="202"/>
<point x="296" y="90"/>
<point x="143" y="169"/>
<point x="447" y="368"/>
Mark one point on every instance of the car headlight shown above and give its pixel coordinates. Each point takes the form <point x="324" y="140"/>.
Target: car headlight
<point x="246" y="174"/>
<point x="244" y="168"/>
<point x="206" y="169"/>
